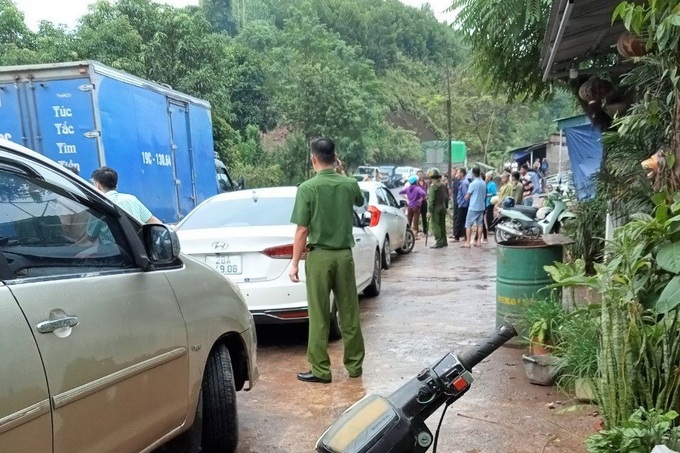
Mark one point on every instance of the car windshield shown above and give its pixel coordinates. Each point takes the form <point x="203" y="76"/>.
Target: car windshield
<point x="387" y="170"/>
<point x="402" y="169"/>
<point x="243" y="212"/>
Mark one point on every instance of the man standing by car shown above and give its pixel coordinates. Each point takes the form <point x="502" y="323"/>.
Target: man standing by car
<point x="436" y="206"/>
<point x="105" y="179"/>
<point x="324" y="216"/>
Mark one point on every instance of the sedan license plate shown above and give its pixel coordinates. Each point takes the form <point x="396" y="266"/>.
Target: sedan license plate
<point x="226" y="264"/>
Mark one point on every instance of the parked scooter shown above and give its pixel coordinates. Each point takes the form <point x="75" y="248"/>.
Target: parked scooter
<point x="396" y="424"/>
<point x="527" y="222"/>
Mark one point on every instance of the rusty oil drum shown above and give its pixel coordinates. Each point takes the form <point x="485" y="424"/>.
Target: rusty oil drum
<point x="521" y="279"/>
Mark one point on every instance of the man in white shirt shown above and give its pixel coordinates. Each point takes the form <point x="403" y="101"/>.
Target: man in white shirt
<point x="105" y="179"/>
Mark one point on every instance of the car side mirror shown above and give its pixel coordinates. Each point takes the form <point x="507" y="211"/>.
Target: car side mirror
<point x="241" y="182"/>
<point x="161" y="243"/>
<point x="403" y="204"/>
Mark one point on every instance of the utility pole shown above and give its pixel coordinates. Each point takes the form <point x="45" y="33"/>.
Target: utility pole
<point x="448" y="119"/>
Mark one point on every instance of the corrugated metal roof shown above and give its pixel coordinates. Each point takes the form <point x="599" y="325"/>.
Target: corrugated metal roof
<point x="588" y="33"/>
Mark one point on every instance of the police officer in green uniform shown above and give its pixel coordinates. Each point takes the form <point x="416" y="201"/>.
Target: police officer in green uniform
<point x="324" y="215"/>
<point x="436" y="205"/>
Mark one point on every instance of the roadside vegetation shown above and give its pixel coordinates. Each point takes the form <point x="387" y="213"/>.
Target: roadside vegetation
<point x="373" y="75"/>
<point x="623" y="343"/>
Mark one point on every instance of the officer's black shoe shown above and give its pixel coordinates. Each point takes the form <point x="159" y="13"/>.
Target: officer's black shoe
<point x="309" y="377"/>
<point x="437" y="246"/>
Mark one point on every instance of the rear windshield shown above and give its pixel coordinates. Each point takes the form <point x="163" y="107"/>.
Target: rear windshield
<point x="241" y="213"/>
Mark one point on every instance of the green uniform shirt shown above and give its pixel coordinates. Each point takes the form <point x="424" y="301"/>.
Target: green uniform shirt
<point x="436" y="197"/>
<point x="518" y="192"/>
<point x="325" y="204"/>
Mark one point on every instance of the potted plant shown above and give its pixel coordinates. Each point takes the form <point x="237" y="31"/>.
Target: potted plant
<point x="543" y="317"/>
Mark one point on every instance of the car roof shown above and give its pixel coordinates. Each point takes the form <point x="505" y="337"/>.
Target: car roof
<point x="369" y="185"/>
<point x="265" y="192"/>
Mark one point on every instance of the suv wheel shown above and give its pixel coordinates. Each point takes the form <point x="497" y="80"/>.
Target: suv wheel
<point x="386" y="254"/>
<point x="220" y="417"/>
<point x="373" y="289"/>
<point x="409" y="242"/>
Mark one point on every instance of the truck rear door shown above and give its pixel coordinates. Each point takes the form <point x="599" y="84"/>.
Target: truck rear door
<point x="63" y="123"/>
<point x="12" y="126"/>
<point x="181" y="152"/>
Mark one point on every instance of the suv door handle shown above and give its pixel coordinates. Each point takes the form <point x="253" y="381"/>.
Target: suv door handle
<point x="357" y="239"/>
<point x="51" y="325"/>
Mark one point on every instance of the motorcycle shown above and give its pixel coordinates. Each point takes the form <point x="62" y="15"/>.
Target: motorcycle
<point x="528" y="222"/>
<point x="396" y="424"/>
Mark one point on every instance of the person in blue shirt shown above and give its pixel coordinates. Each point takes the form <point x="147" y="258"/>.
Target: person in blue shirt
<point x="462" y="204"/>
<point x="491" y="191"/>
<point x="475" y="216"/>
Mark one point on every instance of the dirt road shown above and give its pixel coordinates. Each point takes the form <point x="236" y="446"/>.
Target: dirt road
<point x="432" y="301"/>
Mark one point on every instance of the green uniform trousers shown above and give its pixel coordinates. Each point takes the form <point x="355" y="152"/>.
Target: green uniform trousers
<point x="326" y="271"/>
<point x="438" y="224"/>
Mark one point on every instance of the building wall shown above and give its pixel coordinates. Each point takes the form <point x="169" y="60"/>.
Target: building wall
<point x="553" y="154"/>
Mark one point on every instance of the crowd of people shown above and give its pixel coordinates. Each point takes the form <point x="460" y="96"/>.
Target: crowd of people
<point x="474" y="199"/>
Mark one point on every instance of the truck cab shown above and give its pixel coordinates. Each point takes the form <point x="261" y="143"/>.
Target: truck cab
<point x="224" y="181"/>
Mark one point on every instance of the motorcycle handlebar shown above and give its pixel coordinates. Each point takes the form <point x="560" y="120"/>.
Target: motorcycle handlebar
<point x="472" y="356"/>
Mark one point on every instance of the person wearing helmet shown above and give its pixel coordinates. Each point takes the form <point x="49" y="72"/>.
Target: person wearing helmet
<point x="436" y="206"/>
<point x="416" y="196"/>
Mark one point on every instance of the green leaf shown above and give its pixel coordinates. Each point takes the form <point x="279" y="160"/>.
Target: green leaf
<point x="668" y="258"/>
<point x="670" y="296"/>
<point x="661" y="213"/>
<point x="619" y="11"/>
<point x="675" y="20"/>
<point x="659" y="198"/>
<point x="661" y="35"/>
<point x="628" y="18"/>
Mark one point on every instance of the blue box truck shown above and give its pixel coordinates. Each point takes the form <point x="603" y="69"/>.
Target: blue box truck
<point x="85" y="115"/>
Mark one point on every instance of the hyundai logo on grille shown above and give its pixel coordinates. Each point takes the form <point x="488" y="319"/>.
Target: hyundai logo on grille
<point x="220" y="245"/>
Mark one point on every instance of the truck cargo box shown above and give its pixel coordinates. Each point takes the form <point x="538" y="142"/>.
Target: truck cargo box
<point x="85" y="115"/>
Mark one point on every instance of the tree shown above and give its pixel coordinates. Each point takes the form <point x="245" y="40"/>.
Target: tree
<point x="506" y="39"/>
<point x="220" y="13"/>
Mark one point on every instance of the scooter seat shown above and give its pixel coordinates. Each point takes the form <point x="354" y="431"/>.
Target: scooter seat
<point x="528" y="211"/>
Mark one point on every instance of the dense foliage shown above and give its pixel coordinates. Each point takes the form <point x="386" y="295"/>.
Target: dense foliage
<point x="372" y="75"/>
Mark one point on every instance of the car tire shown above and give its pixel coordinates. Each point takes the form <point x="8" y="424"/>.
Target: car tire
<point x="409" y="243"/>
<point x="386" y="254"/>
<point x="334" y="333"/>
<point x="373" y="290"/>
<point x="220" y="416"/>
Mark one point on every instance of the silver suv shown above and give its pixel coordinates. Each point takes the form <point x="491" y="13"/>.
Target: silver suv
<point x="110" y="344"/>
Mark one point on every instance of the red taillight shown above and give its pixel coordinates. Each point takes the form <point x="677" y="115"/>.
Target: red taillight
<point x="281" y="252"/>
<point x="375" y="215"/>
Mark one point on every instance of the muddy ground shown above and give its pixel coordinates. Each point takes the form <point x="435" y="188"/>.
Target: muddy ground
<point x="432" y="301"/>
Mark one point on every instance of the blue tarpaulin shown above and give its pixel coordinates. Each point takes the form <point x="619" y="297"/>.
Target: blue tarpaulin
<point x="585" y="154"/>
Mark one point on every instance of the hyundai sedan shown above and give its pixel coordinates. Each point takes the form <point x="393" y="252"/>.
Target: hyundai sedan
<point x="247" y="237"/>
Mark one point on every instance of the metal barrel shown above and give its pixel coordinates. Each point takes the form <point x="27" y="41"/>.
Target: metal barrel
<point x="521" y="279"/>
